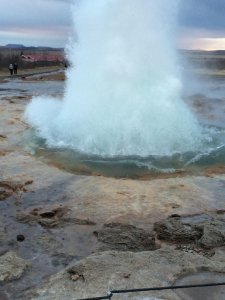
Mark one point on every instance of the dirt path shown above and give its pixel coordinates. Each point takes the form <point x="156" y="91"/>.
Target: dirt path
<point x="45" y="71"/>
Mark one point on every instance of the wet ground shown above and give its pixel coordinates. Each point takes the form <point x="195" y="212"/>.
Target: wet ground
<point x="19" y="87"/>
<point x="43" y="245"/>
<point x="49" y="215"/>
<point x="207" y="293"/>
<point x="48" y="244"/>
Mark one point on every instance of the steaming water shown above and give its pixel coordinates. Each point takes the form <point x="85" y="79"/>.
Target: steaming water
<point x="123" y="97"/>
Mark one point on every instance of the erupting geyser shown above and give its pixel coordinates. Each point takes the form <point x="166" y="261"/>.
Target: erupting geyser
<point x="123" y="92"/>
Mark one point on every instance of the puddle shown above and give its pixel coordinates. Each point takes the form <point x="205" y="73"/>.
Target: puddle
<point x="206" y="293"/>
<point x="17" y="87"/>
<point x="3" y="296"/>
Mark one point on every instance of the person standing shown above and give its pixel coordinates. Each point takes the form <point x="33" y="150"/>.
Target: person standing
<point x="15" y="67"/>
<point x="11" y="69"/>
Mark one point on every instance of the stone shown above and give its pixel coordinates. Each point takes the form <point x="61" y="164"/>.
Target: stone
<point x="12" y="266"/>
<point x="204" y="231"/>
<point x="75" y="277"/>
<point x="124" y="237"/>
<point x="213" y="235"/>
<point x="20" y="237"/>
<point x="172" y="229"/>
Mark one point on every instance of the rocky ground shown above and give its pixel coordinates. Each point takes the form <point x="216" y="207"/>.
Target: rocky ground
<point x="66" y="236"/>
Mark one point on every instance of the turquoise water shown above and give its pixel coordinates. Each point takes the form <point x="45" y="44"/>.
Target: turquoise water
<point x="130" y="166"/>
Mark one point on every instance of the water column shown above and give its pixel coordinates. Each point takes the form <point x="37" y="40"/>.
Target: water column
<point x="123" y="91"/>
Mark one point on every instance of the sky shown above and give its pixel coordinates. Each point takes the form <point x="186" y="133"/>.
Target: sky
<point x="201" y="23"/>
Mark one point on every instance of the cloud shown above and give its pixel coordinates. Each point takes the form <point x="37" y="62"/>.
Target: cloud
<point x="208" y="14"/>
<point x="21" y="20"/>
<point x="52" y="18"/>
<point x="34" y="13"/>
<point x="202" y="43"/>
<point x="202" y="24"/>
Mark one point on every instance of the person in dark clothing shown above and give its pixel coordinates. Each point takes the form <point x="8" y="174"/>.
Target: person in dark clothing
<point x="11" y="69"/>
<point x="15" y="67"/>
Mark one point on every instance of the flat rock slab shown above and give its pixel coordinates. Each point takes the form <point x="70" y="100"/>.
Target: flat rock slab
<point x="101" y="272"/>
<point x="12" y="266"/>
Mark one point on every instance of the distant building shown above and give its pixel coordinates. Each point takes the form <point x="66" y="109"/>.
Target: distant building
<point x="37" y="57"/>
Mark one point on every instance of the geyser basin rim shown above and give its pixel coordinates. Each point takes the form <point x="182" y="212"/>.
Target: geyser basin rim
<point x="71" y="160"/>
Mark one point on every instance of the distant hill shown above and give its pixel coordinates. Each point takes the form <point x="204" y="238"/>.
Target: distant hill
<point x="218" y="52"/>
<point x="205" y="52"/>
<point x="22" y="47"/>
<point x="14" y="46"/>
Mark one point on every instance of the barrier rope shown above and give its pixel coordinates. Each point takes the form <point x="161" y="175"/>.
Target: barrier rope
<point x="174" y="287"/>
